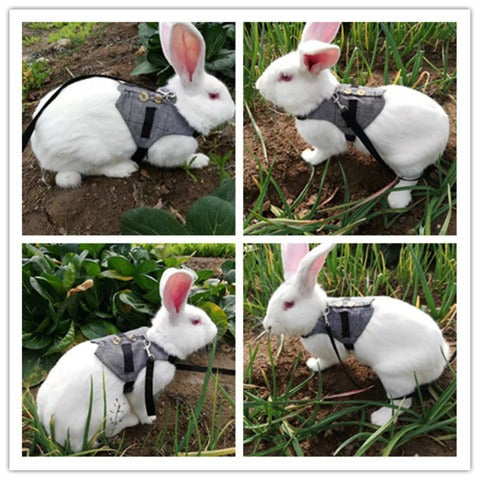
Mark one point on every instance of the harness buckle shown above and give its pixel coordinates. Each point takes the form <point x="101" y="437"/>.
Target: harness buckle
<point x="146" y="345"/>
<point x="336" y="101"/>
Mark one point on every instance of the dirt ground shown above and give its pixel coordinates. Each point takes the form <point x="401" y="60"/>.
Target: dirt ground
<point x="364" y="175"/>
<point x="335" y="381"/>
<point x="96" y="207"/>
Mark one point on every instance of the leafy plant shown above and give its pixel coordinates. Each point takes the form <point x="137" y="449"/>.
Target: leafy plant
<point x="219" y="54"/>
<point x="210" y="215"/>
<point x="34" y="75"/>
<point x="73" y="292"/>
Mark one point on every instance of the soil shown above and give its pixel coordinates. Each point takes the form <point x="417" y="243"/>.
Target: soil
<point x="364" y="176"/>
<point x="335" y="381"/>
<point x="96" y="207"/>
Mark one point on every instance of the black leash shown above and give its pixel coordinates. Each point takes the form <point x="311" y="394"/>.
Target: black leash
<point x="31" y="126"/>
<point x="350" y="120"/>
<point x="347" y="373"/>
<point x="149" y="400"/>
<point x="335" y="349"/>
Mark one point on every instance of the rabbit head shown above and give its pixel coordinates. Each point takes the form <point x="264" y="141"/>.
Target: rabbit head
<point x="296" y="304"/>
<point x="178" y="327"/>
<point x="201" y="98"/>
<point x="300" y="80"/>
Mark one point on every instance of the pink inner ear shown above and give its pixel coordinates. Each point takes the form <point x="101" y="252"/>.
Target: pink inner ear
<point x="292" y="254"/>
<point x="323" y="31"/>
<point x="315" y="269"/>
<point x="319" y="61"/>
<point x="176" y="290"/>
<point x="185" y="49"/>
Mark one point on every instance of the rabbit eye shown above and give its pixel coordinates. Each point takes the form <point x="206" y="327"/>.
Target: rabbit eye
<point x="287" y="305"/>
<point x="196" y="321"/>
<point x="285" y="77"/>
<point x="213" y="95"/>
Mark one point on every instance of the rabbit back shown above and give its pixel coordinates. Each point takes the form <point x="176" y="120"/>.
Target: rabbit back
<point x="81" y="129"/>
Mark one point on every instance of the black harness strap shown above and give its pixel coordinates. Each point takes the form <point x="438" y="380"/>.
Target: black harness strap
<point x="349" y="114"/>
<point x="149" y="401"/>
<point x="31" y="126"/>
<point x="335" y="349"/>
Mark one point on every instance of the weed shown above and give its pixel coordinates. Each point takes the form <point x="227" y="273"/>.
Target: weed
<point x="34" y="75"/>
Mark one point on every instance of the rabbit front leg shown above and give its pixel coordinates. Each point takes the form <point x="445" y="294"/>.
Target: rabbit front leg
<point x="325" y="356"/>
<point x="402" y="198"/>
<point x="176" y="151"/>
<point x="326" y="139"/>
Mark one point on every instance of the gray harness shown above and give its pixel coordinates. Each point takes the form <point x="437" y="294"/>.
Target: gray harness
<point x="126" y="354"/>
<point x="345" y="319"/>
<point x="364" y="103"/>
<point x="150" y="115"/>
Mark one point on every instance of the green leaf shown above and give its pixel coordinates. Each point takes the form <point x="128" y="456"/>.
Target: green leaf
<point x="121" y="265"/>
<point x="150" y="221"/>
<point x="91" y="267"/>
<point x="133" y="301"/>
<point x="69" y="275"/>
<point x="144" y="68"/>
<point x="113" y="274"/>
<point x="211" y="216"/>
<point x="218" y="316"/>
<point x="35" y="367"/>
<point x="146" y="266"/>
<point x="64" y="343"/>
<point x="33" y="341"/>
<point x="146" y="282"/>
<point x="226" y="191"/>
<point x="98" y="328"/>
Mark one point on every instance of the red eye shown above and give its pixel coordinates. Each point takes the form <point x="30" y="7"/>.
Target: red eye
<point x="213" y="95"/>
<point x="285" y="77"/>
<point x="196" y="321"/>
<point x="287" y="305"/>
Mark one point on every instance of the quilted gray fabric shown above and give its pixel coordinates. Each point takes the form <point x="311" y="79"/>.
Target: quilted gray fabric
<point x="370" y="102"/>
<point x="347" y="317"/>
<point x="110" y="352"/>
<point x="132" y="105"/>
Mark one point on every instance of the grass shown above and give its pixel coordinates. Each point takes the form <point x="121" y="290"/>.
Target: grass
<point x="193" y="432"/>
<point x="416" y="55"/>
<point x="282" y="415"/>
<point x="77" y="32"/>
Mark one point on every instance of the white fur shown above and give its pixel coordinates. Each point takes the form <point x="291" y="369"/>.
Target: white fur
<point x="401" y="343"/>
<point x="82" y="133"/>
<point x="64" y="396"/>
<point x="410" y="133"/>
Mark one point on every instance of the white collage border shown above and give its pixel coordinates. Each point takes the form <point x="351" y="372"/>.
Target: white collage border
<point x="462" y="460"/>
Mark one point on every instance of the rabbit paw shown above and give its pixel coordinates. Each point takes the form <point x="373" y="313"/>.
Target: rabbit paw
<point x="381" y="416"/>
<point x="68" y="179"/>
<point x="317" y="364"/>
<point x="120" y="170"/>
<point x="313" y="157"/>
<point x="199" y="160"/>
<point x="148" y="420"/>
<point x="399" y="199"/>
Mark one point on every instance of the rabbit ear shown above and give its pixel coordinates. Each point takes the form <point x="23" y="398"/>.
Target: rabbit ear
<point x="322" y="31"/>
<point x="310" y="265"/>
<point x="292" y="254"/>
<point x="164" y="30"/>
<point x="174" y="289"/>
<point x="317" y="56"/>
<point x="186" y="51"/>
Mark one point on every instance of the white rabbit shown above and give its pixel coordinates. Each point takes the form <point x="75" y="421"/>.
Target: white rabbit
<point x="410" y="132"/>
<point x="178" y="328"/>
<point x="83" y="133"/>
<point x="402" y="344"/>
